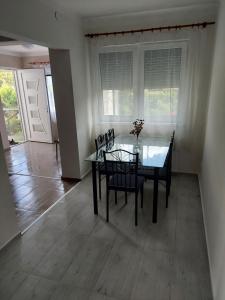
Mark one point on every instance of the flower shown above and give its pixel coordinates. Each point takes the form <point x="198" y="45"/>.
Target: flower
<point x="138" y="126"/>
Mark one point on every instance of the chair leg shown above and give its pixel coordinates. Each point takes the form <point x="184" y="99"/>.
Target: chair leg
<point x="169" y="185"/>
<point x="107" y="206"/>
<point x="125" y="197"/>
<point x="142" y="196"/>
<point x="136" y="208"/>
<point x="115" y="197"/>
<point x="99" y="185"/>
<point x="167" y="192"/>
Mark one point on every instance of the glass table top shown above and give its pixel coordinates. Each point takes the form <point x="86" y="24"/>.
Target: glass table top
<point x="152" y="150"/>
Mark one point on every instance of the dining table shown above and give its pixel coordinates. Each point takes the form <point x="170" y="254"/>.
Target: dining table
<point x="152" y="154"/>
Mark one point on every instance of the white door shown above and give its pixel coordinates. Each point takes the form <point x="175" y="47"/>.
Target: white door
<point x="34" y="98"/>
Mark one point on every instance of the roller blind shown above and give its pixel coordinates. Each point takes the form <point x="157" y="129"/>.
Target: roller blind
<point x="116" y="70"/>
<point x="162" y="68"/>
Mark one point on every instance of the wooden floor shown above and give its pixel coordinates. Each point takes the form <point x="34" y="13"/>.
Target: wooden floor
<point x="72" y="254"/>
<point x="35" y="178"/>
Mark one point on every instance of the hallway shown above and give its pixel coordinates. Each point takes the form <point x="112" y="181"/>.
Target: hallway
<point x="35" y="178"/>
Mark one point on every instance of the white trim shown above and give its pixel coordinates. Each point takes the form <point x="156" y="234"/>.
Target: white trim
<point x="19" y="101"/>
<point x="10" y="240"/>
<point x="206" y="233"/>
<point x="86" y="173"/>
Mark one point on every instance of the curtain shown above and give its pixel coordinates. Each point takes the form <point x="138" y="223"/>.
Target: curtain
<point x="160" y="77"/>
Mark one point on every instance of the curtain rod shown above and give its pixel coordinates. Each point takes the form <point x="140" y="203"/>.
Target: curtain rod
<point x="203" y="25"/>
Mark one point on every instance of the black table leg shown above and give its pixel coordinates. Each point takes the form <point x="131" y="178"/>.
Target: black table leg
<point x="155" y="195"/>
<point x="94" y="183"/>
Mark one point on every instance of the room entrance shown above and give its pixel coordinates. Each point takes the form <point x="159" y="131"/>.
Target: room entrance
<point x="10" y="107"/>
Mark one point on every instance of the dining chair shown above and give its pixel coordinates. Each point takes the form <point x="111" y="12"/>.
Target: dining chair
<point x="165" y="173"/>
<point x="110" y="135"/>
<point x="121" y="169"/>
<point x="100" y="142"/>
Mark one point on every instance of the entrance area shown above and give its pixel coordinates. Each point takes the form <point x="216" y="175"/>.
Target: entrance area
<point x="10" y="106"/>
<point x="35" y="178"/>
<point x="32" y="148"/>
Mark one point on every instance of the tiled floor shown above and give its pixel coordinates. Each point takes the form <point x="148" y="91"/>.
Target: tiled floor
<point x="72" y="254"/>
<point x="35" y="177"/>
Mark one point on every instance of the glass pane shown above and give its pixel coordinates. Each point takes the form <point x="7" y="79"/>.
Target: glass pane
<point x="161" y="84"/>
<point x="161" y="104"/>
<point x="13" y="124"/>
<point x="10" y="106"/>
<point x="118" y="102"/>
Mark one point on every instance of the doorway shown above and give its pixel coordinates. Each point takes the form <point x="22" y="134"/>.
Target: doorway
<point x="11" y="108"/>
<point x="34" y="166"/>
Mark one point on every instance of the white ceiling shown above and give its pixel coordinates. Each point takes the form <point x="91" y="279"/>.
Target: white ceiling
<point x="89" y="8"/>
<point x="22" y="49"/>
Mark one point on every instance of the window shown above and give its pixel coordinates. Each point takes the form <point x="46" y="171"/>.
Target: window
<point x="140" y="81"/>
<point x="161" y="84"/>
<point x="116" y="71"/>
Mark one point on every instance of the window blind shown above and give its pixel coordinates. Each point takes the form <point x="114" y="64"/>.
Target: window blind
<point x="116" y="70"/>
<point x="162" y="68"/>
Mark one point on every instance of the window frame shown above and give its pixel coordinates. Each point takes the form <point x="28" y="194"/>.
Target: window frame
<point x="138" y="50"/>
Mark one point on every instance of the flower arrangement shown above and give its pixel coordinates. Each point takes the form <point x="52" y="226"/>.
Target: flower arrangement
<point x="138" y="126"/>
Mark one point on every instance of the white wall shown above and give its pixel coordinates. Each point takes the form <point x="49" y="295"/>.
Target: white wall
<point x="35" y="22"/>
<point x="9" y="61"/>
<point x="212" y="177"/>
<point x="175" y="16"/>
<point x="8" y="224"/>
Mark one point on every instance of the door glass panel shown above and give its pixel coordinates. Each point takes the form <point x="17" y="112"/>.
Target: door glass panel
<point x="31" y="85"/>
<point x="38" y="128"/>
<point x="11" y="108"/>
<point x="34" y="114"/>
<point x="32" y="99"/>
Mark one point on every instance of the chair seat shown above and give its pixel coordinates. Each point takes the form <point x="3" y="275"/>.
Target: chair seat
<point x="122" y="182"/>
<point x="149" y="173"/>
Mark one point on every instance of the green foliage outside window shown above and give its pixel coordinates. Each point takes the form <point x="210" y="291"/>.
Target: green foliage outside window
<point x="10" y="106"/>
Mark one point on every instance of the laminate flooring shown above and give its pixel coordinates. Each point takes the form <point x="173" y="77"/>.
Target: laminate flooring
<point x="72" y="254"/>
<point x="35" y="178"/>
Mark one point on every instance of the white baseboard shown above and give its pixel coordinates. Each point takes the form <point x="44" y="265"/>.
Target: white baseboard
<point x="86" y="173"/>
<point x="206" y="233"/>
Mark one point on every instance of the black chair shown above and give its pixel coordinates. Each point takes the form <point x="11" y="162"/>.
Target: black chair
<point x="100" y="142"/>
<point x="110" y="135"/>
<point x="104" y="140"/>
<point x="122" y="175"/>
<point x="165" y="173"/>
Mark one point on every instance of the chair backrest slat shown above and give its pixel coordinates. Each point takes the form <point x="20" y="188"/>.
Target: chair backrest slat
<point x="124" y="165"/>
<point x="100" y="141"/>
<point x="110" y="135"/>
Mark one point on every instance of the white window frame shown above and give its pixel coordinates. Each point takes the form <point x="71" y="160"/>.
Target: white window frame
<point x="138" y="81"/>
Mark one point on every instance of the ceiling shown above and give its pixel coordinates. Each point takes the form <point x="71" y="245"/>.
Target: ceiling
<point x="22" y="49"/>
<point x="90" y="8"/>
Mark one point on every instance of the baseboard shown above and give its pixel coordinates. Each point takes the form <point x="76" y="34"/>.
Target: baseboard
<point x="54" y="204"/>
<point x="69" y="179"/>
<point x="86" y="173"/>
<point x="206" y="234"/>
<point x="10" y="240"/>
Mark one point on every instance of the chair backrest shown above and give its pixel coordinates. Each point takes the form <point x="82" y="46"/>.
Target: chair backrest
<point x="110" y="135"/>
<point x="170" y="154"/>
<point x="124" y="165"/>
<point x="173" y="136"/>
<point x="100" y="141"/>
